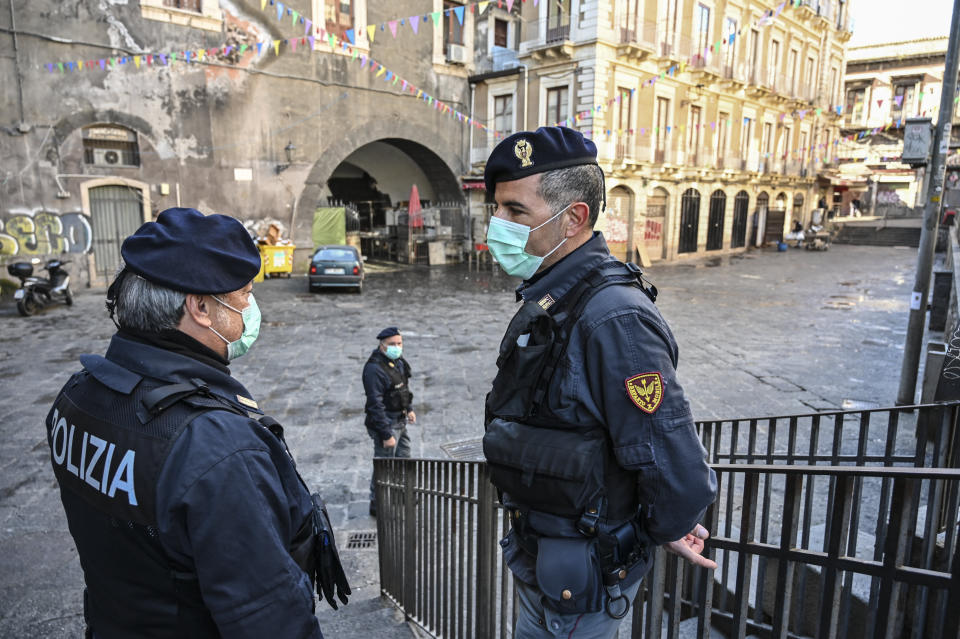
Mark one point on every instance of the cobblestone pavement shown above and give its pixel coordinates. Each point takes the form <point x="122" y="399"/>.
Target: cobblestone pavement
<point x="760" y="334"/>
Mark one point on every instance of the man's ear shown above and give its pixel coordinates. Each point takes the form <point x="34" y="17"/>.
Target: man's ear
<point x="578" y="220"/>
<point x="197" y="308"/>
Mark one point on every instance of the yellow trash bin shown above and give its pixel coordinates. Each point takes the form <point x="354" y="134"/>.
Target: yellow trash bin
<point x="277" y="259"/>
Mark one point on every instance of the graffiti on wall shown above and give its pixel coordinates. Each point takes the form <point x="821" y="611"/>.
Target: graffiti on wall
<point x="43" y="232"/>
<point x="653" y="232"/>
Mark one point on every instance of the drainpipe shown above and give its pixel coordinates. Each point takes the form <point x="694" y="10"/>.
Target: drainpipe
<point x="470" y="147"/>
<point x="526" y="85"/>
<point x="16" y="61"/>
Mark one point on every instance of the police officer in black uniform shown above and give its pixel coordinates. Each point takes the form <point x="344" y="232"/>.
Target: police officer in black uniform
<point x="386" y="381"/>
<point x="189" y="516"/>
<point x="589" y="437"/>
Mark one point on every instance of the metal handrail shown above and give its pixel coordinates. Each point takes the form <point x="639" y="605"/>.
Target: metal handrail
<point x="440" y="521"/>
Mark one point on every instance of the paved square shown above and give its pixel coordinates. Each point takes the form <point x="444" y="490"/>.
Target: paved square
<point x="761" y="334"/>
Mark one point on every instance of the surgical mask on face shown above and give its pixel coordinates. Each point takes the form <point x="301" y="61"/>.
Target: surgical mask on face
<point x="393" y="352"/>
<point x="251" y="329"/>
<point x="507" y="242"/>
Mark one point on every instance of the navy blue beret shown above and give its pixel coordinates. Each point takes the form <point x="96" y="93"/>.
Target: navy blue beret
<point x="526" y="153"/>
<point x="188" y="251"/>
<point x="389" y="331"/>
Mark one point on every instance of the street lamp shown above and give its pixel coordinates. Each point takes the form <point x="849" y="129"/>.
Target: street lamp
<point x="288" y="152"/>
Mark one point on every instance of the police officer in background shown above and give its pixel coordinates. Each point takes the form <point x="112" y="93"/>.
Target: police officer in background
<point x="589" y="437"/>
<point x="188" y="514"/>
<point x="386" y="381"/>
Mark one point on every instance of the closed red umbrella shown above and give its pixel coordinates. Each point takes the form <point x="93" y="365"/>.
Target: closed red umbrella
<point x="414" y="215"/>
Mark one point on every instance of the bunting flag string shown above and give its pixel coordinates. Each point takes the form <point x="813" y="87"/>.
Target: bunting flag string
<point x="262" y="48"/>
<point x="338" y="45"/>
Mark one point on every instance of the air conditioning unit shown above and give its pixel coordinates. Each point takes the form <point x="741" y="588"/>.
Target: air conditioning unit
<point x="504" y="58"/>
<point x="456" y="53"/>
<point x="108" y="157"/>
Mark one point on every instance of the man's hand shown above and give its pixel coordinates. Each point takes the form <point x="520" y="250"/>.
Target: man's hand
<point x="412" y="417"/>
<point x="390" y="443"/>
<point x="690" y="547"/>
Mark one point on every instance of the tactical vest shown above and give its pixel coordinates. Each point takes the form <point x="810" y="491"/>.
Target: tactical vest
<point x="537" y="461"/>
<point x="108" y="445"/>
<point x="398" y="397"/>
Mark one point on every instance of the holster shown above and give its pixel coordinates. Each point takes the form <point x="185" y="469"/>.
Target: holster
<point x="568" y="574"/>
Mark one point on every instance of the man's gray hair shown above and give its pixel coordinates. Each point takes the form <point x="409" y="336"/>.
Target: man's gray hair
<point x="563" y="187"/>
<point x="147" y="307"/>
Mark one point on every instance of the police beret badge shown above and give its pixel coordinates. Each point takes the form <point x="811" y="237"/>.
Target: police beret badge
<point x="646" y="391"/>
<point x="524" y="151"/>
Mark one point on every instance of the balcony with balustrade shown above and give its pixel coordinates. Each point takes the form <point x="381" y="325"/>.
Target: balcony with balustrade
<point x="638" y="41"/>
<point x="706" y="67"/>
<point x="758" y="83"/>
<point x="625" y="148"/>
<point x="733" y="75"/>
<point x="673" y="47"/>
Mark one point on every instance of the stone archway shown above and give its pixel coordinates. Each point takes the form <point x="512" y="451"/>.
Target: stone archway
<point x="365" y="154"/>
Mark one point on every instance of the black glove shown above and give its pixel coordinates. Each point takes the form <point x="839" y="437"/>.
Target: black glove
<point x="329" y="571"/>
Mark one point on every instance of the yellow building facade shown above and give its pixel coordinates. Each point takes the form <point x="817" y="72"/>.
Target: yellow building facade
<point x="712" y="118"/>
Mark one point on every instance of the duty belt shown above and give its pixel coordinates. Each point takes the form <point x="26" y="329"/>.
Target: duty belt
<point x="625" y="541"/>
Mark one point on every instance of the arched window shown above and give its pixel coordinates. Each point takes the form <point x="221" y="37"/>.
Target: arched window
<point x="718" y="207"/>
<point x="781" y="202"/>
<point x="798" y="208"/>
<point x="741" y="205"/>
<point x="763" y="201"/>
<point x="689" y="221"/>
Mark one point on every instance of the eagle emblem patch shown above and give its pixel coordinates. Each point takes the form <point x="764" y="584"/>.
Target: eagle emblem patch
<point x="646" y="391"/>
<point x="524" y="151"/>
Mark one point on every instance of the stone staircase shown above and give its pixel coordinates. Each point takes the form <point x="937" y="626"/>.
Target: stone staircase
<point x="878" y="236"/>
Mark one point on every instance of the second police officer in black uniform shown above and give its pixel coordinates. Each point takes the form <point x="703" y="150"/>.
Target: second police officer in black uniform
<point x="589" y="436"/>
<point x="386" y="382"/>
<point x="189" y="516"/>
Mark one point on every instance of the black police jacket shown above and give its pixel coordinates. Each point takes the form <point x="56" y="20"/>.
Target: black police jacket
<point x="614" y="399"/>
<point x="386" y="383"/>
<point x="182" y="530"/>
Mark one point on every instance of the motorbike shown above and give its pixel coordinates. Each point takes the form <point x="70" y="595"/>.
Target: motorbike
<point x="36" y="293"/>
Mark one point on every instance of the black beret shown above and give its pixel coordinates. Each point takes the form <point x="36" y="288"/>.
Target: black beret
<point x="389" y="331"/>
<point x="526" y="153"/>
<point x="188" y="251"/>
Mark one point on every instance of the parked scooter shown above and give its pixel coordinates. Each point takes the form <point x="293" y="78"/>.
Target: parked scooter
<point x="36" y="293"/>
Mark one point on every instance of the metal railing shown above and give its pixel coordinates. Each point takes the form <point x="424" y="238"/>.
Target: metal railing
<point x="643" y="34"/>
<point x="832" y="524"/>
<point x="559" y="33"/>
<point x="625" y="148"/>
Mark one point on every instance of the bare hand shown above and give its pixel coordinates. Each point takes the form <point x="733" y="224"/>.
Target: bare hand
<point x="690" y="547"/>
<point x="390" y="443"/>
<point x="412" y="417"/>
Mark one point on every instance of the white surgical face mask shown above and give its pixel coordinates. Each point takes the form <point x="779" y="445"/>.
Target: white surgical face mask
<point x="507" y="242"/>
<point x="251" y="328"/>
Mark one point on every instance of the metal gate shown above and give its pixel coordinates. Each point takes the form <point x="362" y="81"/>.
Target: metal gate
<point x="738" y="238"/>
<point x="115" y="213"/>
<point x="718" y="206"/>
<point x="689" y="221"/>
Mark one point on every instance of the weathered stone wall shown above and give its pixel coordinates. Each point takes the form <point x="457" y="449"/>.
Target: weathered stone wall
<point x="198" y="123"/>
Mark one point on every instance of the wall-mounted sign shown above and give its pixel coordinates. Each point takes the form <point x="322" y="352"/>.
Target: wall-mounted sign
<point x="112" y="133"/>
<point x="917" y="140"/>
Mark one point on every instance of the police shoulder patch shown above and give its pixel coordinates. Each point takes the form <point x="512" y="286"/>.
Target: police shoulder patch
<point x="646" y="391"/>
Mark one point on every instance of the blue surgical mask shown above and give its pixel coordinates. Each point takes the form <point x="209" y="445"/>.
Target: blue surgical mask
<point x="251" y="329"/>
<point x="507" y="242"/>
<point x="394" y="352"/>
